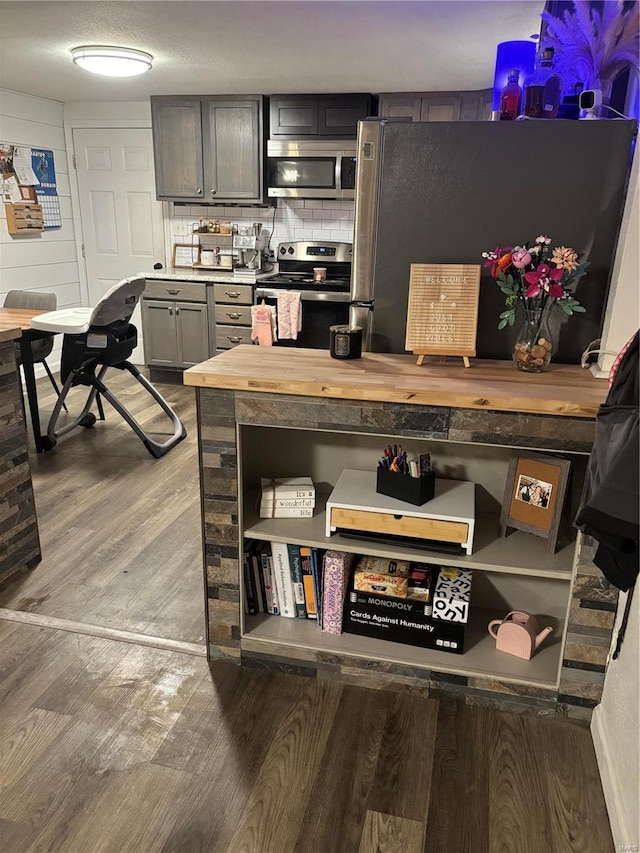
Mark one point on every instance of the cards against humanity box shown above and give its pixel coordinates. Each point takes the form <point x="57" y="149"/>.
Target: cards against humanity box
<point x="452" y="595"/>
<point x="399" y="625"/>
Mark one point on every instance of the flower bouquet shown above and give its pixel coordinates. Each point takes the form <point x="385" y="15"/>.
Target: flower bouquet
<point x="537" y="277"/>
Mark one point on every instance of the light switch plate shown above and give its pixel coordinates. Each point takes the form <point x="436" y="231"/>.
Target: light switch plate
<point x="181" y="228"/>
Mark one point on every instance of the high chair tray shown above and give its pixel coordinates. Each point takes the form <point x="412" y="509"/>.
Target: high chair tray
<point x="72" y="321"/>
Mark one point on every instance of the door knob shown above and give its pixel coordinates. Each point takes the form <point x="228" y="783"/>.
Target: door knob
<point x="213" y="192"/>
<point x="199" y="191"/>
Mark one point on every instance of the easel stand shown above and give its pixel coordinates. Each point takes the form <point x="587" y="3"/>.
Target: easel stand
<point x="463" y="355"/>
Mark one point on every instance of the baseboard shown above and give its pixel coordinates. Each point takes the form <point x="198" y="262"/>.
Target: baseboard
<point x="620" y="829"/>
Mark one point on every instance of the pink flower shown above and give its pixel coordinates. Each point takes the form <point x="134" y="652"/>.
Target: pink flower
<point x="520" y="258"/>
<point x="543" y="278"/>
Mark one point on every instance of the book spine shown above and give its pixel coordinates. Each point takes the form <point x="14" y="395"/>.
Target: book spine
<point x="271" y="511"/>
<point x="291" y="502"/>
<point x="307" y="581"/>
<point x="336" y="569"/>
<point x="269" y="586"/>
<point x="251" y="597"/>
<point x="287" y="493"/>
<point x="295" y="565"/>
<point x="282" y="579"/>
<point x="258" y="578"/>
<point x="317" y="557"/>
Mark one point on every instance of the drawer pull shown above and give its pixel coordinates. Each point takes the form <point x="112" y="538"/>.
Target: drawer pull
<point x="234" y="315"/>
<point x="234" y="340"/>
<point x="232" y="294"/>
<point x="172" y="292"/>
<point x="398" y="517"/>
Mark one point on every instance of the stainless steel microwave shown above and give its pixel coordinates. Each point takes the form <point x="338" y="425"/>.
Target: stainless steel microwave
<point x="311" y="169"/>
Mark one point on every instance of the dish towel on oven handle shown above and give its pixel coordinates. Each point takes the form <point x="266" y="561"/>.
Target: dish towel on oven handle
<point x="263" y="324"/>
<point x="289" y="315"/>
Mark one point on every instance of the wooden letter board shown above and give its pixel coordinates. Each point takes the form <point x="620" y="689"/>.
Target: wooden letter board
<point x="442" y="314"/>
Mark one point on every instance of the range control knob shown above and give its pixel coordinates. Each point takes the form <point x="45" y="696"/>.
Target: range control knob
<point x="283" y="251"/>
<point x="291" y="250"/>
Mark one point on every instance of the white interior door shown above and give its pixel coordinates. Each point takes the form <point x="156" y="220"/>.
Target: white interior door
<point x="121" y="220"/>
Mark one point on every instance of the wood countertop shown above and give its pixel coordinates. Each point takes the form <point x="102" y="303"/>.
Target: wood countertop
<point x="565" y="389"/>
<point x="13" y="321"/>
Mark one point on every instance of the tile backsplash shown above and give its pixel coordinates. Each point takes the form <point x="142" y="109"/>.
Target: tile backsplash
<point x="292" y="219"/>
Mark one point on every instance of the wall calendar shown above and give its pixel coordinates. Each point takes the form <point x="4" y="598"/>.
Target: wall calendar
<point x="442" y="313"/>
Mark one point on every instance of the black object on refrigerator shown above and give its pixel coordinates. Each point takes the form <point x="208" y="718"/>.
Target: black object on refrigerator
<point x="444" y="192"/>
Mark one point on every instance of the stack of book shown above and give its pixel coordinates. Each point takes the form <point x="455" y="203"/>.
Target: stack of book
<point x="283" y="579"/>
<point x="287" y="497"/>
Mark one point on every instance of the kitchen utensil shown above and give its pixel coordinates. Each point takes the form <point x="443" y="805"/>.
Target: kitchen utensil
<point x="518" y="634"/>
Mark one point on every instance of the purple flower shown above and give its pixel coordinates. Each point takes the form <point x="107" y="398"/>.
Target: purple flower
<point x="520" y="258"/>
<point x="543" y="278"/>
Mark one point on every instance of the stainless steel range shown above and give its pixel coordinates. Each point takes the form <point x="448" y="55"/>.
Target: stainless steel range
<point x="325" y="303"/>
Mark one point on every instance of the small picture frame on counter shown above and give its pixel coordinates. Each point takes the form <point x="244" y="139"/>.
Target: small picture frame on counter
<point x="185" y="255"/>
<point x="534" y="496"/>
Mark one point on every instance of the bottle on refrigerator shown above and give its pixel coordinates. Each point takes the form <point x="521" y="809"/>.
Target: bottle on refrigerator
<point x="542" y="89"/>
<point x="511" y="97"/>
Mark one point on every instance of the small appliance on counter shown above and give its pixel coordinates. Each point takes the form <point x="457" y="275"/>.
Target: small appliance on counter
<point x="325" y="302"/>
<point x="249" y="246"/>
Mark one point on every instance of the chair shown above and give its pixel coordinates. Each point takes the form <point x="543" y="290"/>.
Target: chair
<point x="35" y="301"/>
<point x="95" y="340"/>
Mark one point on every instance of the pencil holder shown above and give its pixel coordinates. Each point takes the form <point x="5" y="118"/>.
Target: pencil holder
<point x="402" y="487"/>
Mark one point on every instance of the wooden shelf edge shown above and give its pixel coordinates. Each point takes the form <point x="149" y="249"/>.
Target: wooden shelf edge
<point x="310" y="531"/>
<point x="300" y="634"/>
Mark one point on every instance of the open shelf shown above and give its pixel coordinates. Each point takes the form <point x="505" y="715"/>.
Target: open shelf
<point x="479" y="659"/>
<point x="519" y="553"/>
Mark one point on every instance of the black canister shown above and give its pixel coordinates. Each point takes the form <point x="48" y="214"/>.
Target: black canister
<point x="346" y="341"/>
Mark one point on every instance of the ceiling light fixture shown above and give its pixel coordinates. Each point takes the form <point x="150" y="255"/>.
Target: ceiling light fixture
<point x="112" y="61"/>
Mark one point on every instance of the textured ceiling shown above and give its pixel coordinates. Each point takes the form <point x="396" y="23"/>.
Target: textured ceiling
<point x="207" y="47"/>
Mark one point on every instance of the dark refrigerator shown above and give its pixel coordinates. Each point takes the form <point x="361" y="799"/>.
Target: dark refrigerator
<point x="444" y="192"/>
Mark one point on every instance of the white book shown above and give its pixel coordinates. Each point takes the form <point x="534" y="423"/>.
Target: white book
<point x="268" y="500"/>
<point x="283" y="580"/>
<point x="288" y="487"/>
<point x="286" y="511"/>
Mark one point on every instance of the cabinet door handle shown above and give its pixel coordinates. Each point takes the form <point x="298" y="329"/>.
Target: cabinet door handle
<point x="234" y="340"/>
<point x="177" y="310"/>
<point x="199" y="191"/>
<point x="234" y="315"/>
<point x="232" y="294"/>
<point x="171" y="312"/>
<point x="213" y="192"/>
<point x="172" y="292"/>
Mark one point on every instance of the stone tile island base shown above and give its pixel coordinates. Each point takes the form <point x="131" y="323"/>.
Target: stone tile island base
<point x="593" y="602"/>
<point x="19" y="540"/>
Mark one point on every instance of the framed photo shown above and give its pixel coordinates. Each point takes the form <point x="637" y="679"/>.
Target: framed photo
<point x="534" y="496"/>
<point x="185" y="254"/>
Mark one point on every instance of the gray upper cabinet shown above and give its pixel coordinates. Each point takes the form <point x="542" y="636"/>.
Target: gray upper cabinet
<point x="177" y="148"/>
<point x="233" y="149"/>
<point x="438" y="106"/>
<point x="208" y="149"/>
<point x="325" y="116"/>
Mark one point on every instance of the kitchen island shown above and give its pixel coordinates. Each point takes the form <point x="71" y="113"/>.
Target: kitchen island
<point x="19" y="539"/>
<point x="269" y="412"/>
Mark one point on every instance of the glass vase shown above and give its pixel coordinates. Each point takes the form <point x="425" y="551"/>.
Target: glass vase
<point x="533" y="346"/>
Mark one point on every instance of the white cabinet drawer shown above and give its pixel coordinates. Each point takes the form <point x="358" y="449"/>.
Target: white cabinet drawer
<point x="233" y="293"/>
<point x="182" y="290"/>
<point x="231" y="336"/>
<point x="237" y="315"/>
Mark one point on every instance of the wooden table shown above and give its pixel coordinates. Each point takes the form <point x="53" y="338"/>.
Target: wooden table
<point x="15" y="323"/>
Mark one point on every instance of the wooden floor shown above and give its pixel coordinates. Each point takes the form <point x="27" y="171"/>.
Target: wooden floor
<point x="112" y="746"/>
<point x="120" y="531"/>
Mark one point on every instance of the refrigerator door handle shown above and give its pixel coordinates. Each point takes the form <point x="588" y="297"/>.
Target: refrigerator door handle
<point x="361" y="314"/>
<point x="365" y="225"/>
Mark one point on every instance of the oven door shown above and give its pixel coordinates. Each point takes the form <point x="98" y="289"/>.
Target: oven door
<point x="320" y="310"/>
